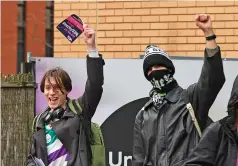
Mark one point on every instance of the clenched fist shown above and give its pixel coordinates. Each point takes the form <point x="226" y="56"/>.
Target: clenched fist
<point x="89" y="37"/>
<point x="204" y="22"/>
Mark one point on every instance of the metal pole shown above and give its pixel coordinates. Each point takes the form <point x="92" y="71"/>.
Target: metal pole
<point x="29" y="56"/>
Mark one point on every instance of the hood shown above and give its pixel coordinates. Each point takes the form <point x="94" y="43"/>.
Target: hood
<point x="230" y="120"/>
<point x="234" y="97"/>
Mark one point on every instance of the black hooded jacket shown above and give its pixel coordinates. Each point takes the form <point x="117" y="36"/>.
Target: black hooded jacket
<point x="165" y="136"/>
<point x="218" y="145"/>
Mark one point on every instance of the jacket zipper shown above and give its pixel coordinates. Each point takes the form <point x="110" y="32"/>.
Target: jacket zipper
<point x="165" y="134"/>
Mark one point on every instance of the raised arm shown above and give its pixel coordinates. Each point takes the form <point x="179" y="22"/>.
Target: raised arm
<point x="93" y="88"/>
<point x="204" y="92"/>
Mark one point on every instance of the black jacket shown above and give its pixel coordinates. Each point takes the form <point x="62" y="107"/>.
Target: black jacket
<point x="165" y="136"/>
<point x="69" y="129"/>
<point x="218" y="145"/>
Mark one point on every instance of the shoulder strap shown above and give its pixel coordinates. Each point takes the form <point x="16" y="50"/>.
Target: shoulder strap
<point x="35" y="122"/>
<point x="191" y="111"/>
<point x="77" y="109"/>
<point x="75" y="106"/>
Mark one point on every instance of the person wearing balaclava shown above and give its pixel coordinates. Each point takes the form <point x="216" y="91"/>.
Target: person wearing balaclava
<point x="218" y="145"/>
<point x="164" y="133"/>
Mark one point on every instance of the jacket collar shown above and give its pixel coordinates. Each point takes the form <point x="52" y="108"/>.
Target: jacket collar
<point x="174" y="94"/>
<point x="41" y="123"/>
<point x="172" y="97"/>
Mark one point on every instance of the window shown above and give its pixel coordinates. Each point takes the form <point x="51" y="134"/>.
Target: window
<point x="49" y="28"/>
<point x="21" y="34"/>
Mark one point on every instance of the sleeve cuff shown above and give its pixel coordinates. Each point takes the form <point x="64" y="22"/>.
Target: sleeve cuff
<point x="212" y="51"/>
<point x="93" y="54"/>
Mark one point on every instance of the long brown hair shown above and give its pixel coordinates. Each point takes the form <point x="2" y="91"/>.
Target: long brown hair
<point x="61" y="77"/>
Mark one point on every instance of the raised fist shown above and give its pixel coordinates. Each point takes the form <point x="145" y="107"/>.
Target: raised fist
<point x="204" y="22"/>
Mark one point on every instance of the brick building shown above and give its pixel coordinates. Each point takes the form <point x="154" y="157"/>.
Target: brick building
<point x="124" y="28"/>
<point x="26" y="26"/>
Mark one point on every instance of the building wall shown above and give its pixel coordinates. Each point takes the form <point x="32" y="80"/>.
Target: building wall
<point x="34" y="33"/>
<point x="124" y="28"/>
<point x="35" y="28"/>
<point x="8" y="37"/>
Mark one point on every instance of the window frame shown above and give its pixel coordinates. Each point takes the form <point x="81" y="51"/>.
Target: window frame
<point x="49" y="29"/>
<point x="21" y="34"/>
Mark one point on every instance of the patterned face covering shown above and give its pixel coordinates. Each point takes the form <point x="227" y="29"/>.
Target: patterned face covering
<point x="163" y="82"/>
<point x="161" y="79"/>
